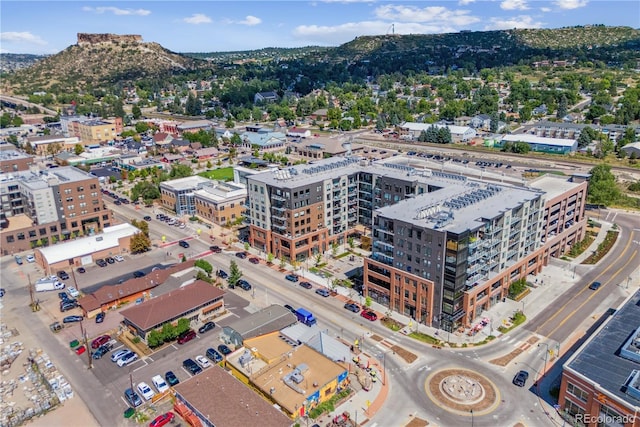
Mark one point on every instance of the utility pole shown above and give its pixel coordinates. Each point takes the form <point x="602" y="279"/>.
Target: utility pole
<point x="86" y="345"/>
<point x="31" y="291"/>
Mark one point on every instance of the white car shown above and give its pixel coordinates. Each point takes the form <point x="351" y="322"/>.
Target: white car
<point x="118" y="258"/>
<point x="160" y="384"/>
<point x="146" y="391"/>
<point x="30" y="258"/>
<point x="73" y="292"/>
<point x="203" y="362"/>
<point x="127" y="358"/>
<point x="118" y="354"/>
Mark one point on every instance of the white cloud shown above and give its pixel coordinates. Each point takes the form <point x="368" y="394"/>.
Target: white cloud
<point x="21" y="37"/>
<point x="545" y="9"/>
<point x="197" y="18"/>
<point x="116" y="10"/>
<point x="435" y="14"/>
<point x="250" y="20"/>
<point x="522" y="21"/>
<point x="571" y="4"/>
<point x="514" y="5"/>
<point x="465" y="2"/>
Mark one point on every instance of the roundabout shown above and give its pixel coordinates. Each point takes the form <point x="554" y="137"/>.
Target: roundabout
<point x="462" y="391"/>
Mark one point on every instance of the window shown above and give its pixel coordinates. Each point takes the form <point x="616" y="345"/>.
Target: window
<point x="577" y="392"/>
<point x="32" y="233"/>
<point x="74" y="224"/>
<point x="20" y="236"/>
<point x="10" y="239"/>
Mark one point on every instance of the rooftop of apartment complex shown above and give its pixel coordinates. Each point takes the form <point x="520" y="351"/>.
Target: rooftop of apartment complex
<point x="457" y="206"/>
<point x="45" y="178"/>
<point x="552" y="185"/>
<point x="8" y="155"/>
<point x="220" y="191"/>
<point x="611" y="357"/>
<point x="188" y="183"/>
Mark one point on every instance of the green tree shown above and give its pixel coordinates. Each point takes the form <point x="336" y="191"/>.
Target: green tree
<point x="141" y="225"/>
<point x="602" y="186"/>
<point x="142" y="127"/>
<point x="270" y="258"/>
<point x="147" y="190"/>
<point x="78" y="149"/>
<point x="139" y="243"/>
<point x="562" y="107"/>
<point x="154" y="339"/>
<point x="168" y="332"/>
<point x="318" y="259"/>
<point x="183" y="325"/>
<point x="234" y="274"/>
<point x="352" y="242"/>
<point x="368" y="301"/>
<point x="204" y="265"/>
<point x="229" y="124"/>
<point x="180" y="171"/>
<point x="283" y="262"/>
<point x="137" y="112"/>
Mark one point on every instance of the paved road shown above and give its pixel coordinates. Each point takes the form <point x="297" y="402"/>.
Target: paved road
<point x="28" y="104"/>
<point x="564" y="315"/>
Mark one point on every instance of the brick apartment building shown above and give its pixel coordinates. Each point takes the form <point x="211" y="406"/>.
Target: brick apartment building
<point x="39" y="209"/>
<point x="445" y="247"/>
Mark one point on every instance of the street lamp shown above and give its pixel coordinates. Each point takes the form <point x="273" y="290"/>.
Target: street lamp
<point x="546" y="353"/>
<point x="471" y="410"/>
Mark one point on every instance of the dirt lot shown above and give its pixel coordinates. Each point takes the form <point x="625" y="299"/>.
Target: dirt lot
<point x="24" y="393"/>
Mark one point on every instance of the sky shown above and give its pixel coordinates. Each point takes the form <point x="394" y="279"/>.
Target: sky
<point x="47" y="27"/>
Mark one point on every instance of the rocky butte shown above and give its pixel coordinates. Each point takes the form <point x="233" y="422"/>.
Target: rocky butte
<point x="85" y="39"/>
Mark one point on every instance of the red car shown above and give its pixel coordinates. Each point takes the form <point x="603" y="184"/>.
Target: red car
<point x="369" y="315"/>
<point x="161" y="420"/>
<point x="99" y="341"/>
<point x="254" y="260"/>
<point x="81" y="350"/>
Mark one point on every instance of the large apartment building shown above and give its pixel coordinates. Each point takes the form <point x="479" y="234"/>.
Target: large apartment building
<point x="95" y="131"/>
<point x="445" y="247"/>
<point x="41" y="208"/>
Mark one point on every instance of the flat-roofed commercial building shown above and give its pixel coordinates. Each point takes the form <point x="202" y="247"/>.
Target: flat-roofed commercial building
<point x="296" y="378"/>
<point x="96" y="131"/>
<point x="601" y="381"/>
<point x="221" y="202"/>
<point x="178" y="196"/>
<point x="14" y="161"/>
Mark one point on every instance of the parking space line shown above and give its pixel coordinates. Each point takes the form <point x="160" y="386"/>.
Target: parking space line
<point x="140" y="367"/>
<point x="125" y="401"/>
<point x="149" y="358"/>
<point x="174" y="346"/>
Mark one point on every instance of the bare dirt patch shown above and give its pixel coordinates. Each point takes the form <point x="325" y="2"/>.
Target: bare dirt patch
<point x="405" y="354"/>
<point x="417" y="422"/>
<point x="376" y="337"/>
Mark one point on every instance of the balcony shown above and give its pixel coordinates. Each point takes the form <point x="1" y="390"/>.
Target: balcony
<point x="380" y="257"/>
<point x="278" y="198"/>
<point x="279" y="215"/>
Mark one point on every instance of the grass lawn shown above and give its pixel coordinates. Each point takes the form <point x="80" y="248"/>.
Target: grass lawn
<point x="222" y="174"/>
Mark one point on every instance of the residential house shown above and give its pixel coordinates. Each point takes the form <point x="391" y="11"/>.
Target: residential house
<point x="265" y="97"/>
<point x="295" y="132"/>
<point x="481" y="121"/>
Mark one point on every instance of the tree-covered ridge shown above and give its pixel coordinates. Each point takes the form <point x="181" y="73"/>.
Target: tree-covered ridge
<point x="268" y="53"/>
<point x="573" y="37"/>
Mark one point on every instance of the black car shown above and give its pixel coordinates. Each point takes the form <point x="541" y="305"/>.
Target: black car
<point x="72" y="319"/>
<point x="222" y="274"/>
<point x="213" y="355"/>
<point x="63" y="275"/>
<point x="139" y="273"/>
<point x="101" y="262"/>
<point x="192" y="366"/>
<point x="2" y="292"/>
<point x="110" y="260"/>
<point x="594" y="286"/>
<point x="67" y="305"/>
<point x="521" y="378"/>
<point x="244" y="285"/>
<point x="224" y="349"/>
<point x="132" y="398"/>
<point x="241" y="255"/>
<point x="183" y="244"/>
<point x="147" y="218"/>
<point x="63" y="296"/>
<point x="291" y="277"/>
<point x="306" y="285"/>
<point x="171" y="378"/>
<point x="206" y="327"/>
<point x="291" y="309"/>
<point x="100" y="317"/>
<point x="81" y="270"/>
<point x="101" y="351"/>
<point x="352" y="307"/>
<point x="215" y="249"/>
